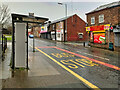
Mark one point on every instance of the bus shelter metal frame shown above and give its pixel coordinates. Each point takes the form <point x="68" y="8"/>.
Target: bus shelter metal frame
<point x="19" y="18"/>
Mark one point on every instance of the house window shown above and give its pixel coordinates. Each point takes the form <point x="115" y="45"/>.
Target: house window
<point x="101" y="18"/>
<point x="92" y="20"/>
<point x="80" y="35"/>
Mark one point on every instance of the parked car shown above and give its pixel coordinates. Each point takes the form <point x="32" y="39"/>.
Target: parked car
<point x="31" y="36"/>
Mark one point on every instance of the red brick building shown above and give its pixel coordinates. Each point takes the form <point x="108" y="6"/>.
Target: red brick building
<point x="104" y="26"/>
<point x="75" y="29"/>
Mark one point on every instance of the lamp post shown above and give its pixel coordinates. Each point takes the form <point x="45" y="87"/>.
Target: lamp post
<point x="32" y="16"/>
<point x="33" y="40"/>
<point x="65" y="16"/>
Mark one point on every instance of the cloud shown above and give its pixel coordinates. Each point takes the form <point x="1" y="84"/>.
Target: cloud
<point x="58" y="0"/>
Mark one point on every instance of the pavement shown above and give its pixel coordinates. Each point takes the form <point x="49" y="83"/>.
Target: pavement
<point x="5" y="72"/>
<point x="42" y="74"/>
<point x="53" y="65"/>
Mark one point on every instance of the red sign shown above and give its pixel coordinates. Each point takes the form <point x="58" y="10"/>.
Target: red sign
<point x="91" y="36"/>
<point x="97" y="28"/>
<point x="58" y="30"/>
<point x="99" y="38"/>
<point x="111" y="28"/>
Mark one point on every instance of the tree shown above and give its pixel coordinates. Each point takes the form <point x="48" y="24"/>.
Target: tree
<point x="4" y="15"/>
<point x="9" y="28"/>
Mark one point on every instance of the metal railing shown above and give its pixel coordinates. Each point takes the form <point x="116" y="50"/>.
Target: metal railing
<point x="4" y="45"/>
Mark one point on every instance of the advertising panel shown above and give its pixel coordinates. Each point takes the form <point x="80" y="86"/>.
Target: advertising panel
<point x="91" y="36"/>
<point x="99" y="38"/>
<point x="60" y="25"/>
<point x="43" y="29"/>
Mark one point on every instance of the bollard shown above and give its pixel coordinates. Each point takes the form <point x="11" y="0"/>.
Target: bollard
<point x="84" y="44"/>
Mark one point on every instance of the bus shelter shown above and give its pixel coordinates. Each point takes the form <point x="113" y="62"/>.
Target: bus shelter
<point x="20" y="24"/>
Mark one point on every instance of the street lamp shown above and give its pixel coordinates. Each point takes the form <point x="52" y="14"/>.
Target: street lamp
<point x="65" y="16"/>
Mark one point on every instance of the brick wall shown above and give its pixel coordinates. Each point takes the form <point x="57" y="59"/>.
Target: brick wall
<point x="110" y="16"/>
<point x="76" y="25"/>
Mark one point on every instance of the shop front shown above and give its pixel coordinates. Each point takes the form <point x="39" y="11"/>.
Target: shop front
<point x="59" y="31"/>
<point x="43" y="32"/>
<point x="98" y="35"/>
<point x="117" y="38"/>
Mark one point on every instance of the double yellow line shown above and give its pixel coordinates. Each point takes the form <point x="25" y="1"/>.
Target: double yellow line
<point x="69" y="70"/>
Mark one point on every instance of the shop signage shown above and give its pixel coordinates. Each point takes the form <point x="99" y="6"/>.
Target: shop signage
<point x="87" y="28"/>
<point x="98" y="28"/>
<point x="99" y="38"/>
<point x="43" y="29"/>
<point x="60" y="25"/>
<point x="58" y="30"/>
<point x="91" y="35"/>
<point x="107" y="27"/>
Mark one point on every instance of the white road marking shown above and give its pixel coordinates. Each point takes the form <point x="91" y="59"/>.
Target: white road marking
<point x="94" y="56"/>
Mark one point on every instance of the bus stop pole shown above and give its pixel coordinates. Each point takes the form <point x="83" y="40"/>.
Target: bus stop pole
<point x="13" y="47"/>
<point x="33" y="42"/>
<point x="27" y="45"/>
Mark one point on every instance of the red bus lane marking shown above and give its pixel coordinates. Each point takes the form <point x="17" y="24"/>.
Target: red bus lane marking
<point x="100" y="62"/>
<point x="47" y="47"/>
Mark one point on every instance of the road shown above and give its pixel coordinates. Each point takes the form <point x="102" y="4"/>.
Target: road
<point x="95" y="68"/>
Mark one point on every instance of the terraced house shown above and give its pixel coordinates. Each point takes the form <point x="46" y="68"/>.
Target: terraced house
<point x="74" y="31"/>
<point x="104" y="26"/>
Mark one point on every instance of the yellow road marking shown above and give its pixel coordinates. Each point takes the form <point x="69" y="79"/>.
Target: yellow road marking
<point x="77" y="63"/>
<point x="70" y="65"/>
<point x="69" y="70"/>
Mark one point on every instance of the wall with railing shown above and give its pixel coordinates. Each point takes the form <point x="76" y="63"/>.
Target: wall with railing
<point x="3" y="45"/>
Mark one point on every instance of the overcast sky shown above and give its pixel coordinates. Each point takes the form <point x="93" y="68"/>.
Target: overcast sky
<point x="53" y="11"/>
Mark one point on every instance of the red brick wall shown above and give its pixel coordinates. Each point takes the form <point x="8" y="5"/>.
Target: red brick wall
<point x="110" y="16"/>
<point x="76" y="25"/>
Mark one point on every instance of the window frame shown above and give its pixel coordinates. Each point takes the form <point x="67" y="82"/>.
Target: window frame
<point x="93" y="17"/>
<point x="101" y="21"/>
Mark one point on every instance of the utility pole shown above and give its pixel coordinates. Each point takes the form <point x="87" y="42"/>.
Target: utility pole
<point x="33" y="41"/>
<point x="66" y="22"/>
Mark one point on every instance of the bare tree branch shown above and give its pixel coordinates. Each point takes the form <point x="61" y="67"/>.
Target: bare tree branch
<point x="4" y="15"/>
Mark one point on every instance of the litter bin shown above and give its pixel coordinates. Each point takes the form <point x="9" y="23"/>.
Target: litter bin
<point x="111" y="46"/>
